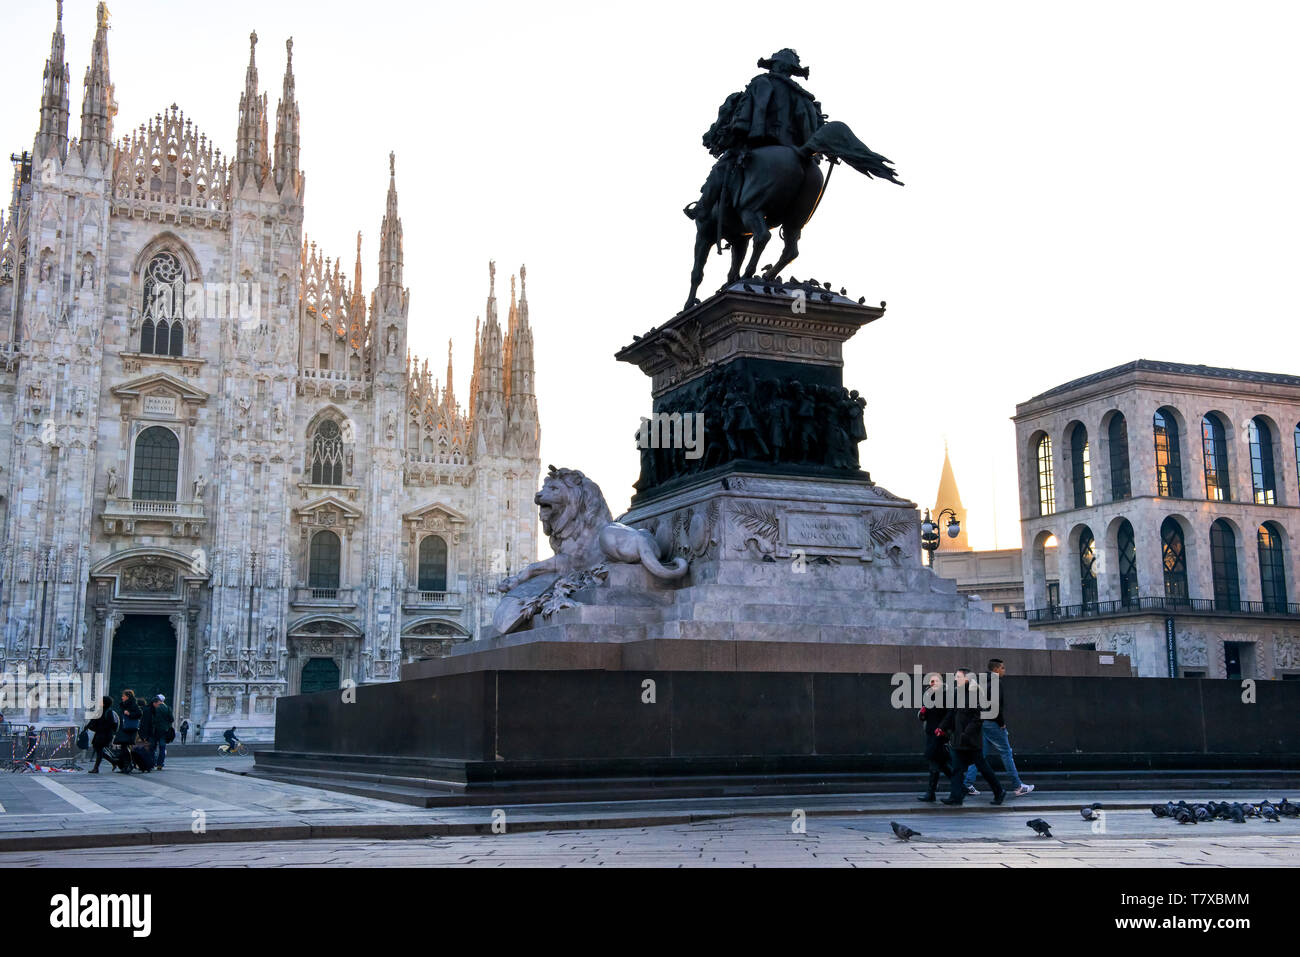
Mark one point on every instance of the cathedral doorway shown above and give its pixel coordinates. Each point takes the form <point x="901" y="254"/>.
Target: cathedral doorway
<point x="144" y="657"/>
<point x="319" y="674"/>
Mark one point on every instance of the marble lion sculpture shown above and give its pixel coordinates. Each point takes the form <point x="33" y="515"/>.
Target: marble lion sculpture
<point x="582" y="533"/>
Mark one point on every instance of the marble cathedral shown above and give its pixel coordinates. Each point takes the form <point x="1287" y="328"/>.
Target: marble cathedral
<point x="223" y="476"/>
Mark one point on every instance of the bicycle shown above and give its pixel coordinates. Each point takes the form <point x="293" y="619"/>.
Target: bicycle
<point x="238" y="749"/>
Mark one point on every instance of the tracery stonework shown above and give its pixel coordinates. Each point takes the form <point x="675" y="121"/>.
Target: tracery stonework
<point x="213" y="528"/>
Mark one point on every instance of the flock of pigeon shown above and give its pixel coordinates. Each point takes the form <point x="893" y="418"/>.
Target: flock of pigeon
<point x="1237" y="812"/>
<point x="1182" y="812"/>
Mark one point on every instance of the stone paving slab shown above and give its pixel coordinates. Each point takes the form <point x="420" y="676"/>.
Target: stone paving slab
<point x="160" y="809"/>
<point x="749" y="842"/>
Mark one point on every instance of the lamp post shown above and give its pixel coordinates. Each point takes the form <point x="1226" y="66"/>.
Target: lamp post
<point x="930" y="530"/>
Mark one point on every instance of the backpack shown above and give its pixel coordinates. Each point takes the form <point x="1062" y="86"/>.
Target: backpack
<point x="83" y="740"/>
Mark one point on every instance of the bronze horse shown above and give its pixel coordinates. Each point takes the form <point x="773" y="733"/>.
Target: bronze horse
<point x="775" y="186"/>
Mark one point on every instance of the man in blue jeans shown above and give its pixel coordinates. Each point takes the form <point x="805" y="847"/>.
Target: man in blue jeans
<point x="995" y="737"/>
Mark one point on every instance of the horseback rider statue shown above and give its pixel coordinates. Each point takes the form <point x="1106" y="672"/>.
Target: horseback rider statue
<point x="768" y="140"/>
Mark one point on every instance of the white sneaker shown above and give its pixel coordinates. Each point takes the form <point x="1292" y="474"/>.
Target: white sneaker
<point x="1024" y="789"/>
<point x="970" y="789"/>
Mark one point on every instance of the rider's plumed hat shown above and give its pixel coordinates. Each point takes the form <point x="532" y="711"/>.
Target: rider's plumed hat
<point x="784" y="61"/>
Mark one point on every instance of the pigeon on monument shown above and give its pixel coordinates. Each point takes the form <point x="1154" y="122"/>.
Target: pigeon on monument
<point x="902" y="831"/>
<point x="1041" y="827"/>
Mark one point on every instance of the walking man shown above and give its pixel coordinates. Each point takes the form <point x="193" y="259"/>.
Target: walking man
<point x="185" y="729"/>
<point x="936" y="748"/>
<point x="158" y="727"/>
<point x="996" y="739"/>
<point x="963" y="726"/>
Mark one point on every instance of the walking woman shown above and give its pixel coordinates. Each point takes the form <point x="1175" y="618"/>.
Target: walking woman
<point x="104" y="729"/>
<point x="131" y="714"/>
<point x="936" y="746"/>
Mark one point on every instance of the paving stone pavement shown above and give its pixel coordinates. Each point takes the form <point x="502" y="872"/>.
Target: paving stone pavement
<point x="64" y="819"/>
<point x="982" y="838"/>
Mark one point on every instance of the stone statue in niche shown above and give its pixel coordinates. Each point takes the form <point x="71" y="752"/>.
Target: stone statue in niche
<point x="111" y="485"/>
<point x="200" y="486"/>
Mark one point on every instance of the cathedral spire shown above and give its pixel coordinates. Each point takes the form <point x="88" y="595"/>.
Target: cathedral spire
<point x="390" y="236"/>
<point x="521" y="401"/>
<point x="52" y="137"/>
<point x="488" y="371"/>
<point x="449" y="392"/>
<point x="949" y="497"/>
<point x="286" y="128"/>
<point x="97" y="105"/>
<point x="251" y="158"/>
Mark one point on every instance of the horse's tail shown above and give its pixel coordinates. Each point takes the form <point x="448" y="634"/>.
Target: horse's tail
<point x="837" y="141"/>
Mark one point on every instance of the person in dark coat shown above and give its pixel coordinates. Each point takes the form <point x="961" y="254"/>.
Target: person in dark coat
<point x="103" y="729"/>
<point x="964" y="729"/>
<point x="936" y="747"/>
<point x="185" y="730"/>
<point x="159" y="719"/>
<point x="130" y="728"/>
<point x="996" y="738"/>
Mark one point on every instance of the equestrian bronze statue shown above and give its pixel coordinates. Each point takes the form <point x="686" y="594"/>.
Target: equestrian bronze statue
<point x="769" y="140"/>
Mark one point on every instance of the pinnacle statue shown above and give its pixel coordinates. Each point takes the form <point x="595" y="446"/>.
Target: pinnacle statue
<point x="769" y="140"/>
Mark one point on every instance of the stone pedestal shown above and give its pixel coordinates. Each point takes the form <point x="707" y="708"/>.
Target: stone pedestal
<point x="761" y="366"/>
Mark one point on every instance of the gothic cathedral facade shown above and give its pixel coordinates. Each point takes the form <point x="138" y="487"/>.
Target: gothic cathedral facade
<point x="224" y="476"/>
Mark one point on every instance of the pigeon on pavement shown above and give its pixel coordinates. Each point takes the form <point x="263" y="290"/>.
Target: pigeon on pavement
<point x="1087" y="813"/>
<point x="902" y="831"/>
<point x="1041" y="827"/>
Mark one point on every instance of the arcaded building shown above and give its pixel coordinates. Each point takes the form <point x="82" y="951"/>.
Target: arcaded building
<point x="1171" y="495"/>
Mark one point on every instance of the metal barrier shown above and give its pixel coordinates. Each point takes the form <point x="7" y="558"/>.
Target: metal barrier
<point x="24" y="744"/>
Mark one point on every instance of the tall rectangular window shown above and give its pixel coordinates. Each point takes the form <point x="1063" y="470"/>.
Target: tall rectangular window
<point x="1046" y="488"/>
<point x="1120" y="483"/>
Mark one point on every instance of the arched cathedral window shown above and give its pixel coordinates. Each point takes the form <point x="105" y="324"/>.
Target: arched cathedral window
<point x="162" y="331"/>
<point x="157" y="463"/>
<point x="433" y="564"/>
<point x="327" y="454"/>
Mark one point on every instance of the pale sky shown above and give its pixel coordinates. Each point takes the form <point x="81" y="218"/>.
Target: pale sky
<point x="1086" y="184"/>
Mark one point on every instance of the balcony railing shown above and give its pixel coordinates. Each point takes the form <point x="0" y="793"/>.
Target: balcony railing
<point x="328" y="597"/>
<point x="416" y="598"/>
<point x="140" y="507"/>
<point x="1171" y="606"/>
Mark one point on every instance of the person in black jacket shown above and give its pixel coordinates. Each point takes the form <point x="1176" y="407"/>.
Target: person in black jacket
<point x="964" y="729"/>
<point x="996" y="739"/>
<point x="936" y="748"/>
<point x="126" y="735"/>
<point x="103" y="728"/>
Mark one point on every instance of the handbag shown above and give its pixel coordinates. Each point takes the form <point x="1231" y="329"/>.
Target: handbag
<point x="83" y="740"/>
<point x="170" y="736"/>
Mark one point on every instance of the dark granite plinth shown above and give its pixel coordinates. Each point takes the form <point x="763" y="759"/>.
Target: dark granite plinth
<point x="529" y="733"/>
